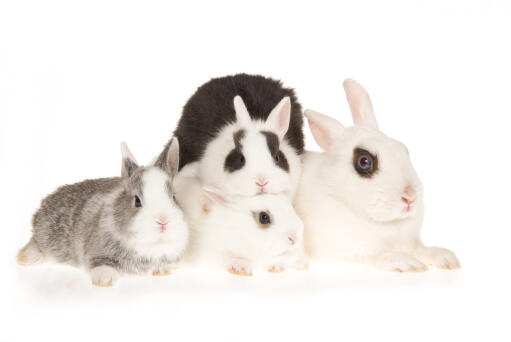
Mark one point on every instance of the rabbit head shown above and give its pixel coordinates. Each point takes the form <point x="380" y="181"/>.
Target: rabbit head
<point x="250" y="157"/>
<point x="145" y="211"/>
<point x="365" y="169"/>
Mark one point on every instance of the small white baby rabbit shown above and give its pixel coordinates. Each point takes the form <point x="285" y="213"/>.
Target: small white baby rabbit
<point x="361" y="199"/>
<point x="130" y="224"/>
<point x="240" y="234"/>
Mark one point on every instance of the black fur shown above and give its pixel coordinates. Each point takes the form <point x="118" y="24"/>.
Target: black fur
<point x="273" y="145"/>
<point x="211" y="108"/>
<point x="235" y="160"/>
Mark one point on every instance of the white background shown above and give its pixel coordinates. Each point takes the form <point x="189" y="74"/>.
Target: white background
<point x="76" y="78"/>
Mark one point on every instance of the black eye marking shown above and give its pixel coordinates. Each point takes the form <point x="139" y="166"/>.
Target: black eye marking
<point x="138" y="203"/>
<point x="263" y="218"/>
<point x="170" y="191"/>
<point x="235" y="160"/>
<point x="365" y="163"/>
<point x="272" y="140"/>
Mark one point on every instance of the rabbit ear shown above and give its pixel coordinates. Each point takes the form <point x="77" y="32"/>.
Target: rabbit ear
<point x="242" y="115"/>
<point x="215" y="195"/>
<point x="324" y="129"/>
<point x="171" y="164"/>
<point x="129" y="164"/>
<point x="278" y="120"/>
<point x="360" y="104"/>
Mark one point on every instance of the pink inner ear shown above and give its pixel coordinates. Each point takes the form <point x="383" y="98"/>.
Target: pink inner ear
<point x="278" y="120"/>
<point x="320" y="135"/>
<point x="360" y="104"/>
<point x="215" y="197"/>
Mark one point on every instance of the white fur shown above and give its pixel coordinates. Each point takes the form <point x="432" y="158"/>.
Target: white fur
<point x="259" y="161"/>
<point x="359" y="219"/>
<point x="147" y="238"/>
<point x="104" y="276"/>
<point x="225" y="233"/>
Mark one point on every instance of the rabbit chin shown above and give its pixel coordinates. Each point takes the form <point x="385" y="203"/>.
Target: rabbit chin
<point x="396" y="212"/>
<point x="154" y="244"/>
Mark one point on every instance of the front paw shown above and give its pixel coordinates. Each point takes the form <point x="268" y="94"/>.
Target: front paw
<point x="239" y="267"/>
<point x="161" y="272"/>
<point x="438" y="257"/>
<point x="399" y="262"/>
<point x="104" y="276"/>
<point x="302" y="263"/>
<point x="276" y="269"/>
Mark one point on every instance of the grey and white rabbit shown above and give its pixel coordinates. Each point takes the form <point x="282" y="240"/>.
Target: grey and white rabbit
<point x="127" y="224"/>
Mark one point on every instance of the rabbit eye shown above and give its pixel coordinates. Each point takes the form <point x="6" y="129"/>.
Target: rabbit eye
<point x="277" y="158"/>
<point x="138" y="203"/>
<point x="264" y="218"/>
<point x="365" y="163"/>
<point x="242" y="160"/>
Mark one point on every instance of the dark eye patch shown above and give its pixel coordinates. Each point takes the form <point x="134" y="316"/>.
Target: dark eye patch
<point x="365" y="163"/>
<point x="272" y="140"/>
<point x="235" y="160"/>
<point x="264" y="218"/>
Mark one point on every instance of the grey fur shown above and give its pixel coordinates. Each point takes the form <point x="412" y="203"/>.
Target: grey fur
<point x="84" y="224"/>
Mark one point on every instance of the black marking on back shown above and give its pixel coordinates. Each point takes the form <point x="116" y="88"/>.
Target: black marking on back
<point x="272" y="140"/>
<point x="235" y="160"/>
<point x="211" y="107"/>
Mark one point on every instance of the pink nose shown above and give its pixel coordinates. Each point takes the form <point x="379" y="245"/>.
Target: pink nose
<point x="261" y="182"/>
<point x="292" y="238"/>
<point x="162" y="221"/>
<point x="406" y="200"/>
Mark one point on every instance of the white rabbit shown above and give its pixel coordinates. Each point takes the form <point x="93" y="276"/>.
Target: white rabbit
<point x="361" y="199"/>
<point x="240" y="234"/>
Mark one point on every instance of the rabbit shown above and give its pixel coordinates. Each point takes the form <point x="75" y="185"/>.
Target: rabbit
<point x="110" y="226"/>
<point x="361" y="199"/>
<point x="240" y="234"/>
<point x="244" y="135"/>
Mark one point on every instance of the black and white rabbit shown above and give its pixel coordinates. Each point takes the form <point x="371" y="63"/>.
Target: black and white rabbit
<point x="128" y="224"/>
<point x="243" y="134"/>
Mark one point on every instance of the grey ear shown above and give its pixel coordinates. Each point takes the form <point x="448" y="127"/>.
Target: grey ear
<point x="129" y="164"/>
<point x="169" y="160"/>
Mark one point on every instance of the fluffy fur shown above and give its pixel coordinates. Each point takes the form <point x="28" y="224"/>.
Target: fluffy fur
<point x="225" y="230"/>
<point x="97" y="224"/>
<point x="258" y="106"/>
<point x="373" y="219"/>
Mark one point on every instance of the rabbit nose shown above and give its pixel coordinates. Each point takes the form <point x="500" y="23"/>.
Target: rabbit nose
<point x="408" y="195"/>
<point x="292" y="238"/>
<point x="406" y="200"/>
<point x="161" y="220"/>
<point x="410" y="192"/>
<point x="261" y="182"/>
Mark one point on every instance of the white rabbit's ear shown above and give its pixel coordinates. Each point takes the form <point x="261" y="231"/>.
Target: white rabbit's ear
<point x="129" y="164"/>
<point x="324" y="129"/>
<point x="242" y="115"/>
<point x="215" y="195"/>
<point x="360" y="104"/>
<point x="278" y="120"/>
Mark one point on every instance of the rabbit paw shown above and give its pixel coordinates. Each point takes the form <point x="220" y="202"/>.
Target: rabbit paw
<point x="438" y="257"/>
<point x="276" y="269"/>
<point x="399" y="262"/>
<point x="239" y="267"/>
<point x="104" y="276"/>
<point x="302" y="263"/>
<point x="161" y="272"/>
<point x="29" y="255"/>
